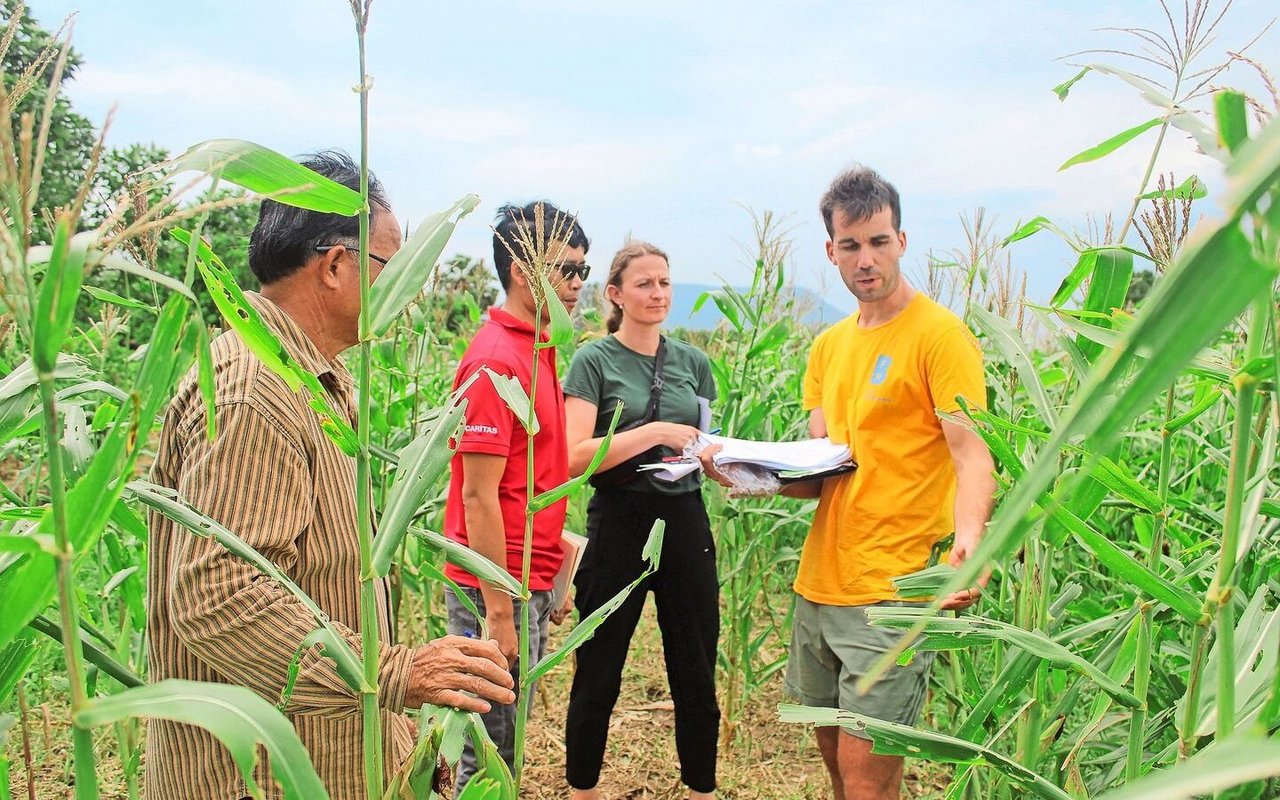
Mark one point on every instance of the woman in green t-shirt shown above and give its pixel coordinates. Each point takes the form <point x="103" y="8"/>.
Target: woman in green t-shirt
<point x="659" y="418"/>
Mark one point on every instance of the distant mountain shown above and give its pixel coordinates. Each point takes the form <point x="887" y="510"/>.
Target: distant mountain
<point x="816" y="311"/>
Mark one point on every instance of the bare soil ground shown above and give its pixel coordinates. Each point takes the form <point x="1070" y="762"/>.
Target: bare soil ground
<point x="766" y="761"/>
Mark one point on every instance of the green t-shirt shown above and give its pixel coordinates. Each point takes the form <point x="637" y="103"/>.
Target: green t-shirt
<point x="606" y="371"/>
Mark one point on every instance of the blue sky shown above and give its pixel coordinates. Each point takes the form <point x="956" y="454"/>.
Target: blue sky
<point x="662" y="119"/>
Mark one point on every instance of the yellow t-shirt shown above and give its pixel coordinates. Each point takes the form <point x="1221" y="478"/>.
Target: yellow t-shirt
<point x="878" y="389"/>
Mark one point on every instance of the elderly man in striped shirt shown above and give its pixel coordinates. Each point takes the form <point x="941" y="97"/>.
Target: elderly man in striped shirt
<point x="273" y="477"/>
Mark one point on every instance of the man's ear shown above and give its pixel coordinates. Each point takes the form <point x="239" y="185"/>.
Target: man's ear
<point x="831" y="251"/>
<point x="517" y="276"/>
<point x="329" y="264"/>
<point x="902" y="240"/>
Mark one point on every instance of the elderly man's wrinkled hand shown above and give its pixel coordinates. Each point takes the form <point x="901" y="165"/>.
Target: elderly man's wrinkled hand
<point x="461" y="673"/>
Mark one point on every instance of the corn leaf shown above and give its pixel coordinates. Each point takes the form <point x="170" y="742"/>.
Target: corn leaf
<point x="1233" y="119"/>
<point x="889" y="738"/>
<point x="240" y="315"/>
<point x="482" y="787"/>
<point x="416" y="776"/>
<point x="1109" y="146"/>
<point x="551" y="496"/>
<point x="489" y="762"/>
<point x="1009" y="344"/>
<point x="1149" y="91"/>
<point x="1121" y="483"/>
<point x="1082" y="269"/>
<point x="1219" y="766"/>
<point x="23" y="377"/>
<point x="513" y="394"/>
<point x="244" y="319"/>
<point x="586" y="628"/>
<point x="1125" y="566"/>
<point x="59" y="291"/>
<point x="15" y="660"/>
<point x="104" y="296"/>
<point x="1033" y="227"/>
<point x="459" y="594"/>
<point x="420" y="464"/>
<point x="773" y="336"/>
<point x="403" y="277"/>
<point x="238" y="718"/>
<point x="1256" y="653"/>
<point x="1191" y="189"/>
<point x="204" y="354"/>
<point x="348" y="670"/>
<point x="1253" y="171"/>
<point x="265" y="171"/>
<point x="462" y="556"/>
<point x="1064" y="88"/>
<point x="923" y="584"/>
<point x="128" y="266"/>
<point x="560" y="331"/>
<point x="93" y="654"/>
<point x="953" y="633"/>
<point x="1111" y="275"/>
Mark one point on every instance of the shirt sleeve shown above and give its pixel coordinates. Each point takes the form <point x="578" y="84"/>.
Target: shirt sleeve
<point x="953" y="368"/>
<point x="255" y="481"/>
<point x="812" y="392"/>
<point x="706" y="378"/>
<point x="585" y="378"/>
<point x="490" y="422"/>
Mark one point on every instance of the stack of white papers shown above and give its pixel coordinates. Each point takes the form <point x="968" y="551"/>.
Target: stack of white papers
<point x="805" y="455"/>
<point x="808" y="457"/>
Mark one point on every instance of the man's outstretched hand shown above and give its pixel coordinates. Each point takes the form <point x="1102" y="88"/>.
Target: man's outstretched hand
<point x="446" y="669"/>
<point x="960" y="552"/>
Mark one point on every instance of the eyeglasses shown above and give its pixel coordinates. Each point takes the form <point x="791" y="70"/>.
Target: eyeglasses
<point x="569" y="270"/>
<point x="324" y="248"/>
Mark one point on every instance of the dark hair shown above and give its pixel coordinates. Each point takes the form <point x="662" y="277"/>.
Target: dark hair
<point x="621" y="260"/>
<point x="514" y="227"/>
<point x="286" y="236"/>
<point x="859" y="192"/>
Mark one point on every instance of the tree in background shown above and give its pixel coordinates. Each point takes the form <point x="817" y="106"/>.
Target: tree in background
<point x="71" y="136"/>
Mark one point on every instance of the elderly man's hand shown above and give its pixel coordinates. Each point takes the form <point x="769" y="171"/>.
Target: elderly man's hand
<point x="449" y="670"/>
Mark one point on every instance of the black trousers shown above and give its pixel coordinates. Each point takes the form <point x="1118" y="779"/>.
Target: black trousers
<point x="686" y="592"/>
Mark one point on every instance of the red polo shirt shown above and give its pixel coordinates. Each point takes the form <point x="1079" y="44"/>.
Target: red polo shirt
<point x="505" y="345"/>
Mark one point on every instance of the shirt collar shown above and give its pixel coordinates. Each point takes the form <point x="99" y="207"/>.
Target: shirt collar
<point x="295" y="340"/>
<point x="507" y="320"/>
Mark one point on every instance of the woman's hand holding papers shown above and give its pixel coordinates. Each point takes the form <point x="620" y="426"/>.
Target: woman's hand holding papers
<point x="671" y="434"/>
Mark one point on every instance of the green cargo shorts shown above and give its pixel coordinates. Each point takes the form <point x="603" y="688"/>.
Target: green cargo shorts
<point x="833" y="646"/>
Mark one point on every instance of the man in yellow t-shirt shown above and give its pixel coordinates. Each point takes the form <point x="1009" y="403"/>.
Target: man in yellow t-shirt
<point x="876" y="381"/>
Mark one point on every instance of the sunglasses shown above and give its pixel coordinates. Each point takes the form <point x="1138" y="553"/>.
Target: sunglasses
<point x="569" y="270"/>
<point x="324" y="248"/>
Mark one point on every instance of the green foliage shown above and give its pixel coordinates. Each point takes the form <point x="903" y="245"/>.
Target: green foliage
<point x="1131" y="618"/>
<point x="71" y="136"/>
<point x="240" y="719"/>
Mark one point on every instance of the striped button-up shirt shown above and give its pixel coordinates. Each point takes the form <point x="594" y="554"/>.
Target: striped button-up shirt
<point x="274" y="478"/>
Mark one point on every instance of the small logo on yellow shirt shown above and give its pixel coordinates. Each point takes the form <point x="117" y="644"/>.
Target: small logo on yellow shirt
<point x="881" y="371"/>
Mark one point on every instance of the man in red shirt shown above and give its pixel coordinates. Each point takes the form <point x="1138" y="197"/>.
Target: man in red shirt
<point x="488" y="486"/>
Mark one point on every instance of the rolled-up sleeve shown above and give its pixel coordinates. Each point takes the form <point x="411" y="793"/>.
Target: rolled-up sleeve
<point x="255" y="479"/>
